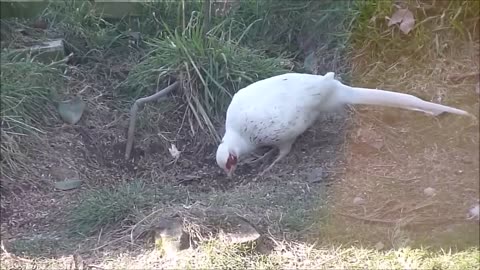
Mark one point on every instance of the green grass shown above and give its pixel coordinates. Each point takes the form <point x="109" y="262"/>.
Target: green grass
<point x="104" y="207"/>
<point x="27" y="98"/>
<point x="211" y="69"/>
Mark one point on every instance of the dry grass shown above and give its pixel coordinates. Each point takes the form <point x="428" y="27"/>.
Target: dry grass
<point x="285" y="255"/>
<point x="393" y="155"/>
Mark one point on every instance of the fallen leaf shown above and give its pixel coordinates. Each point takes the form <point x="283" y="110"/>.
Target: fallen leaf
<point x="405" y="18"/>
<point x="174" y="151"/>
<point x="478" y="88"/>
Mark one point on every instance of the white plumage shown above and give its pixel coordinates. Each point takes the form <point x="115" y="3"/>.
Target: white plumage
<point x="275" y="111"/>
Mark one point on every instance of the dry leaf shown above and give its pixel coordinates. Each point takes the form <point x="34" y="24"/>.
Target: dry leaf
<point x="405" y="18"/>
<point x="174" y="151"/>
<point x="478" y="88"/>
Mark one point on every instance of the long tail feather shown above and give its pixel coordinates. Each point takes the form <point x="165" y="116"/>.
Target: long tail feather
<point x="366" y="96"/>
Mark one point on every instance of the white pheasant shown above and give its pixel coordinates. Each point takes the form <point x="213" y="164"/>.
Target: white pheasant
<point x="276" y="110"/>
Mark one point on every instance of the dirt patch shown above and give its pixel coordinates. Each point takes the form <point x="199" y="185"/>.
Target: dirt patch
<point x="393" y="156"/>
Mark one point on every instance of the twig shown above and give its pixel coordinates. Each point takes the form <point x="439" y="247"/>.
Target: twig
<point x="111" y="242"/>
<point x="384" y="221"/>
<point x="457" y="77"/>
<point x="96" y="266"/>
<point x="133" y="114"/>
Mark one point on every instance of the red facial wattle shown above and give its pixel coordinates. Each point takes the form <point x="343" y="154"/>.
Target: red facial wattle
<point x="231" y="162"/>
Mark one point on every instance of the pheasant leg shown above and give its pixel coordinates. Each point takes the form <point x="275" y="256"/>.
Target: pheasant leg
<point x="284" y="149"/>
<point x="258" y="159"/>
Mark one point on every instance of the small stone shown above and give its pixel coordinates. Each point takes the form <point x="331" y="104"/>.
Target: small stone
<point x="358" y="201"/>
<point x="379" y="246"/>
<point x="169" y="237"/>
<point x="474" y="212"/>
<point x="71" y="110"/>
<point x="429" y="191"/>
<point x="237" y="230"/>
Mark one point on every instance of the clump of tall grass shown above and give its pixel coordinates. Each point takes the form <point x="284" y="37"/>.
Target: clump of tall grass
<point x="210" y="68"/>
<point x="294" y="26"/>
<point x="28" y="87"/>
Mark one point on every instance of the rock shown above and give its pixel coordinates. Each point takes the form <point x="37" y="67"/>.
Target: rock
<point x="169" y="237"/>
<point x="71" y="110"/>
<point x="474" y="212"/>
<point x="379" y="246"/>
<point x="358" y="201"/>
<point x="68" y="184"/>
<point x="236" y="230"/>
<point x="65" y="178"/>
<point x="317" y="175"/>
<point x="429" y="191"/>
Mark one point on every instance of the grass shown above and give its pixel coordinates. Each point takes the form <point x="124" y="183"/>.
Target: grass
<point x="213" y="67"/>
<point x="417" y="151"/>
<point x="85" y="32"/>
<point x="438" y="24"/>
<point x="213" y="255"/>
<point x="28" y="92"/>
<point x="294" y="218"/>
<point x="133" y="208"/>
<point x="106" y="206"/>
<point x="210" y="69"/>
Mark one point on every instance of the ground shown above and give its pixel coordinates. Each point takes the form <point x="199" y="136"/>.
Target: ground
<point x="357" y="178"/>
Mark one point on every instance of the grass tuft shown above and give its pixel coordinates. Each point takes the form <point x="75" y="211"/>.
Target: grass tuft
<point x="211" y="69"/>
<point x="103" y="207"/>
<point x="28" y="90"/>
